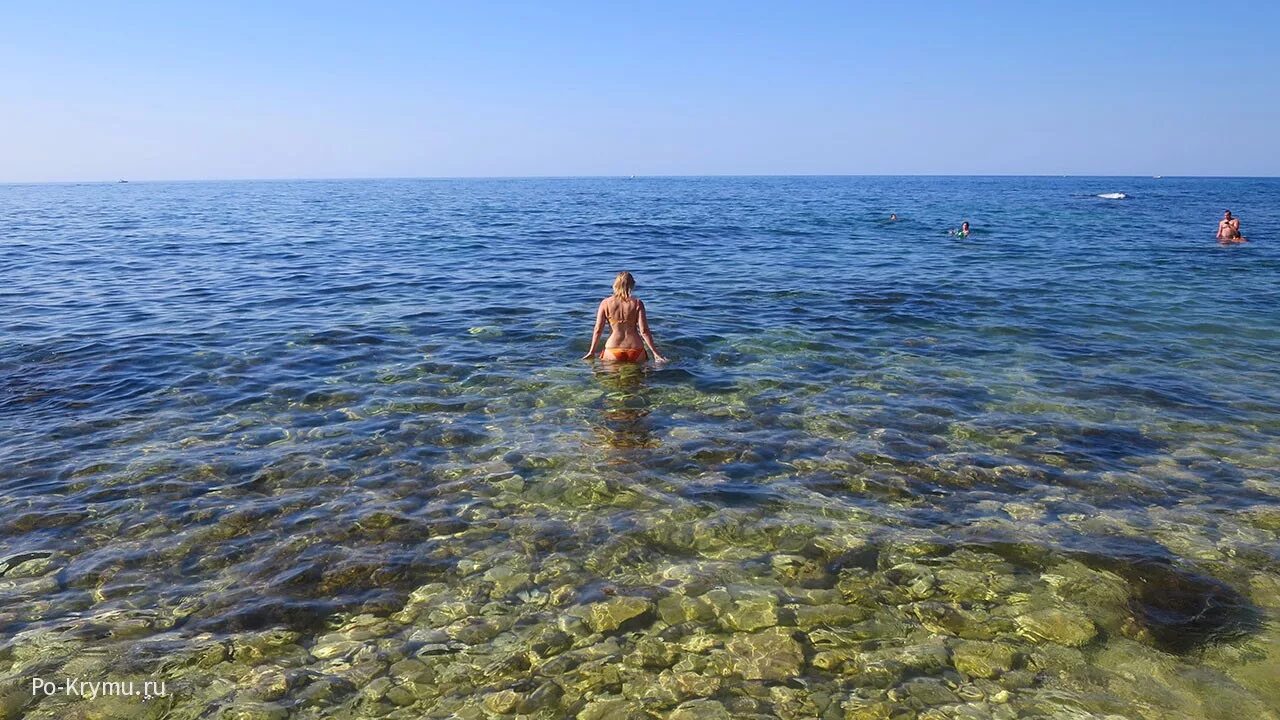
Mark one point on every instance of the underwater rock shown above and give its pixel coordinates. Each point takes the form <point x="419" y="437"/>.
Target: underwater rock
<point x="700" y="643"/>
<point x="334" y="646"/>
<point x="859" y="587"/>
<point x="790" y="703"/>
<point x="502" y="702"/>
<point x="689" y="684"/>
<point x="1178" y="609"/>
<point x="611" y="709"/>
<point x="917" y="580"/>
<point x="983" y="659"/>
<point x="951" y="619"/>
<point x="15" y="697"/>
<point x="544" y="697"/>
<point x="929" y="691"/>
<point x="1065" y="627"/>
<point x="700" y="710"/>
<point x="652" y="652"/>
<point x="833" y="660"/>
<point x="366" y="627"/>
<point x="856" y="708"/>
<point x="612" y="614"/>
<point x="269" y="683"/>
<point x="506" y="580"/>
<point x="814" y="596"/>
<point x="882" y="673"/>
<point x="810" y="617"/>
<point x="478" y="630"/>
<point x="772" y="654"/>
<point x="548" y="641"/>
<point x="1266" y="517"/>
<point x="797" y="570"/>
<point x="1264" y="589"/>
<point x="927" y="658"/>
<point x="414" y="676"/>
<point x="248" y="648"/>
<point x="27" y="565"/>
<point x="745" y="610"/>
<point x="125" y="707"/>
<point x="670" y="687"/>
<point x="677" y="608"/>
<point x="962" y="585"/>
<point x="591" y="679"/>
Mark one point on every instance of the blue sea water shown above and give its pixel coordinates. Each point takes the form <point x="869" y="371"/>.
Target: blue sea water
<point x="230" y="406"/>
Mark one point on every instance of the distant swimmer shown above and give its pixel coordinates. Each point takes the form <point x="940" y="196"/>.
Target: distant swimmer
<point x="962" y="232"/>
<point x="893" y="217"/>
<point x="1229" y="229"/>
<point x="628" y="326"/>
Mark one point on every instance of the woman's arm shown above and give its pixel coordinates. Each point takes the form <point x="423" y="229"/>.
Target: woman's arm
<point x="643" y="323"/>
<point x="595" y="334"/>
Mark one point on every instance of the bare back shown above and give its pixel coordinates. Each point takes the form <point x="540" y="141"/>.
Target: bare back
<point x="629" y="333"/>
<point x="625" y="319"/>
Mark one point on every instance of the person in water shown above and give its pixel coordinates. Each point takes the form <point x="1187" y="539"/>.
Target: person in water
<point x="628" y="326"/>
<point x="963" y="231"/>
<point x="893" y="217"/>
<point x="1229" y="229"/>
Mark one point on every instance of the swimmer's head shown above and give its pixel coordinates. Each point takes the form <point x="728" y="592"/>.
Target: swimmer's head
<point x="623" y="285"/>
<point x="1226" y="214"/>
<point x="964" y="226"/>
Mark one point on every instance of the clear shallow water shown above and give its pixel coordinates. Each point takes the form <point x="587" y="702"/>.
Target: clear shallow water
<point x="244" y="423"/>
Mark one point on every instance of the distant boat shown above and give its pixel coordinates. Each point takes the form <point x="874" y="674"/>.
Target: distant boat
<point x="124" y="181"/>
<point x="1156" y="177"/>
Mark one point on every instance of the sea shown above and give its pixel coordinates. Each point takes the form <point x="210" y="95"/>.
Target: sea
<point x="329" y="449"/>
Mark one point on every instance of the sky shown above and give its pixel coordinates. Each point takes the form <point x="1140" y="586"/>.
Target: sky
<point x="230" y="90"/>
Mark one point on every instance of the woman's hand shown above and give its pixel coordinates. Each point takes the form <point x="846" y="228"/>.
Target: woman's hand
<point x="589" y="355"/>
<point x="658" y="358"/>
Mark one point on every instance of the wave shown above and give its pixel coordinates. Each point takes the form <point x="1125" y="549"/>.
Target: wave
<point x="1112" y="196"/>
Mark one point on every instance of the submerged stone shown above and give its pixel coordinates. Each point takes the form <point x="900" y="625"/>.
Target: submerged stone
<point x="611" y="614"/>
<point x="701" y="710"/>
<point x="653" y="652"/>
<point x="772" y="654"/>
<point x="612" y="709"/>
<point x="809" y="617"/>
<point x="677" y="608"/>
<point x="952" y="619"/>
<point x="750" y="612"/>
<point x="861" y="709"/>
<point x="983" y="659"/>
<point x="1065" y="627"/>
<point x="501" y="702"/>
<point x="929" y="691"/>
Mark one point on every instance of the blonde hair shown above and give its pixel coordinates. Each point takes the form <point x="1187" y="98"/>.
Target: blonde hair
<point x="623" y="285"/>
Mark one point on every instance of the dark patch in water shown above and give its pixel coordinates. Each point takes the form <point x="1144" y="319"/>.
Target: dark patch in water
<point x="732" y="494"/>
<point x="1181" y="609"/>
<point x="864" y="558"/>
<point x="1184" y="611"/>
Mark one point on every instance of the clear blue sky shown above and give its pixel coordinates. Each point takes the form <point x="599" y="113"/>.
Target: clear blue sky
<point x="170" y="90"/>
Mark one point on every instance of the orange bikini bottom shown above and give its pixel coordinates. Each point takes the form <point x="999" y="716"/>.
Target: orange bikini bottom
<point x="623" y="355"/>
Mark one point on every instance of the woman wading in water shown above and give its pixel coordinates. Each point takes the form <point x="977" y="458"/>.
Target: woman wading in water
<point x="628" y="326"/>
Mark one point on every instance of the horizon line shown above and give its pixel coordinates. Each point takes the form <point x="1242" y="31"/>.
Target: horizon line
<point x="617" y="176"/>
